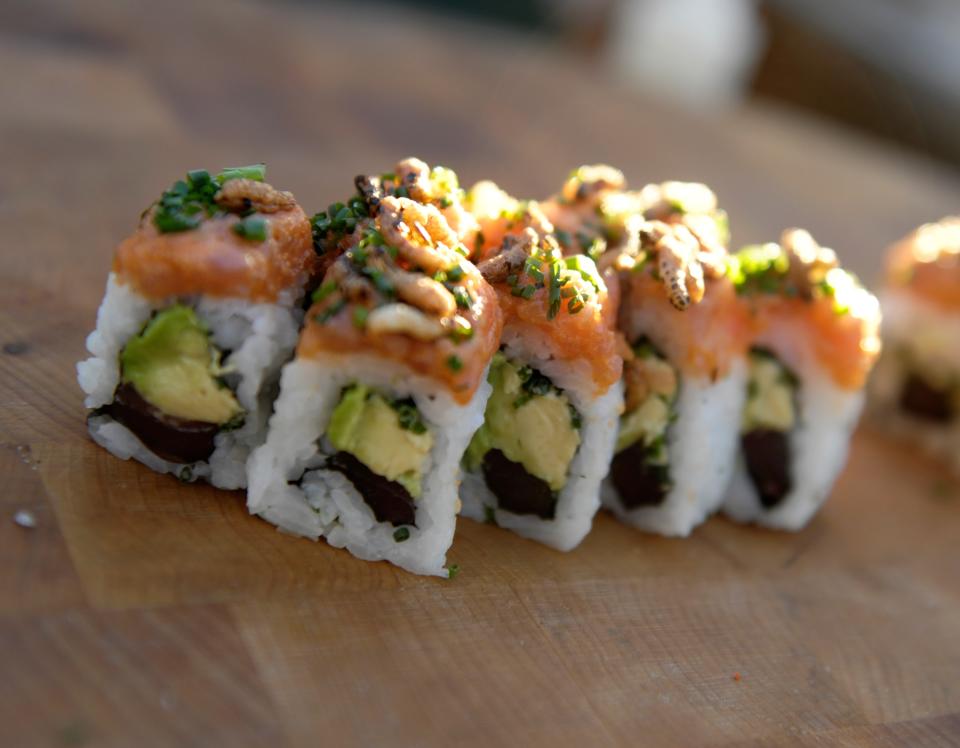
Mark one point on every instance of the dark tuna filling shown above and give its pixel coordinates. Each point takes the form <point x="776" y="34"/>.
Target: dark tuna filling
<point x="516" y="490"/>
<point x="767" y="454"/>
<point x="389" y="501"/>
<point x="168" y="437"/>
<point x="637" y="481"/>
<point x="923" y="401"/>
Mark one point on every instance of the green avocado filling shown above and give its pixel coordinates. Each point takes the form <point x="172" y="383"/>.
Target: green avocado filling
<point x="528" y="419"/>
<point x="647" y="422"/>
<point x="175" y="367"/>
<point x="388" y="436"/>
<point x="771" y="390"/>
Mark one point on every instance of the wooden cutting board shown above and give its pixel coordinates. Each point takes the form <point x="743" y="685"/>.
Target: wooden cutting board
<point x="141" y="612"/>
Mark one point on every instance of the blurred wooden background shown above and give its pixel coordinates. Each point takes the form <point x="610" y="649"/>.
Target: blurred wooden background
<point x="142" y="612"/>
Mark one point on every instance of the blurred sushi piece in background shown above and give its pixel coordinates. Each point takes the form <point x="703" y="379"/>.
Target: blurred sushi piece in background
<point x="915" y="390"/>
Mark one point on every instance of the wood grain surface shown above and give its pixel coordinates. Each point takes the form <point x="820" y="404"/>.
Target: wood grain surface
<point x="142" y="612"/>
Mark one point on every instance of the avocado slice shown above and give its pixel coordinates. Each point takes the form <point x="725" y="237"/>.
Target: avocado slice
<point x="647" y="422"/>
<point x="382" y="435"/>
<point x="770" y="394"/>
<point x="174" y="367"/>
<point x="530" y="421"/>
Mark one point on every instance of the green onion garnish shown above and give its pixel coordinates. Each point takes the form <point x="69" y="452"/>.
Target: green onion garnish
<point x="331" y="311"/>
<point x="256" y="172"/>
<point x="326" y="288"/>
<point x="253" y="228"/>
<point x="454" y="362"/>
<point x="401" y="534"/>
<point x="462" y="297"/>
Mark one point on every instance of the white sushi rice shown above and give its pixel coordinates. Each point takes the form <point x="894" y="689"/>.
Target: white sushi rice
<point x="260" y="338"/>
<point x="916" y="334"/>
<point x="289" y="487"/>
<point x="579" y="499"/>
<point x="701" y="446"/>
<point x="818" y="443"/>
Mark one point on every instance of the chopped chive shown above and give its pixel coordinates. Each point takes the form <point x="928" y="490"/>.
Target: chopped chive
<point x="478" y="242"/>
<point x="358" y="254"/>
<point x="168" y="222"/>
<point x="372" y="237"/>
<point x="534" y="272"/>
<point x="462" y="330"/>
<point x="331" y="311"/>
<point x="198" y="177"/>
<point x="454" y="362"/>
<point x="554" y="292"/>
<point x="401" y="534"/>
<point x="462" y="297"/>
<point x="360" y="316"/>
<point x="512" y="279"/>
<point x="326" y="288"/>
<point x="256" y="172"/>
<point x="455" y="273"/>
<point x="453" y="570"/>
<point x="383" y="284"/>
<point x="253" y="228"/>
<point x="528" y="292"/>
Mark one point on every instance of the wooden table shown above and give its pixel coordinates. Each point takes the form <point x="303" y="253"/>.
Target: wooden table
<point x="141" y="612"/>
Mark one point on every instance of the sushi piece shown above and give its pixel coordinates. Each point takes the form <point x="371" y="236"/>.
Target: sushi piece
<point x="386" y="389"/>
<point x="685" y="369"/>
<point x="201" y="310"/>
<point x="915" y="390"/>
<point x="816" y="336"/>
<point x="536" y="464"/>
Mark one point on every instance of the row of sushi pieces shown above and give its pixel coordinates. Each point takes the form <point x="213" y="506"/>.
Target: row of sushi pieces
<point x="421" y="351"/>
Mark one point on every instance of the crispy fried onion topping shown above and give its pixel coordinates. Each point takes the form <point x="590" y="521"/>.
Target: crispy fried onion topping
<point x="681" y="258"/>
<point x="588" y="181"/>
<point x="808" y="261"/>
<point x="242" y="195"/>
<point x="414" y="179"/>
<point x="404" y="272"/>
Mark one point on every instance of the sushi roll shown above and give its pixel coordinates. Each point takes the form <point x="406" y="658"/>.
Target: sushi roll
<point x="815" y="339"/>
<point x="201" y="310"/>
<point x="536" y="464"/>
<point x="684" y="369"/>
<point x="386" y="389"/>
<point x="915" y="390"/>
